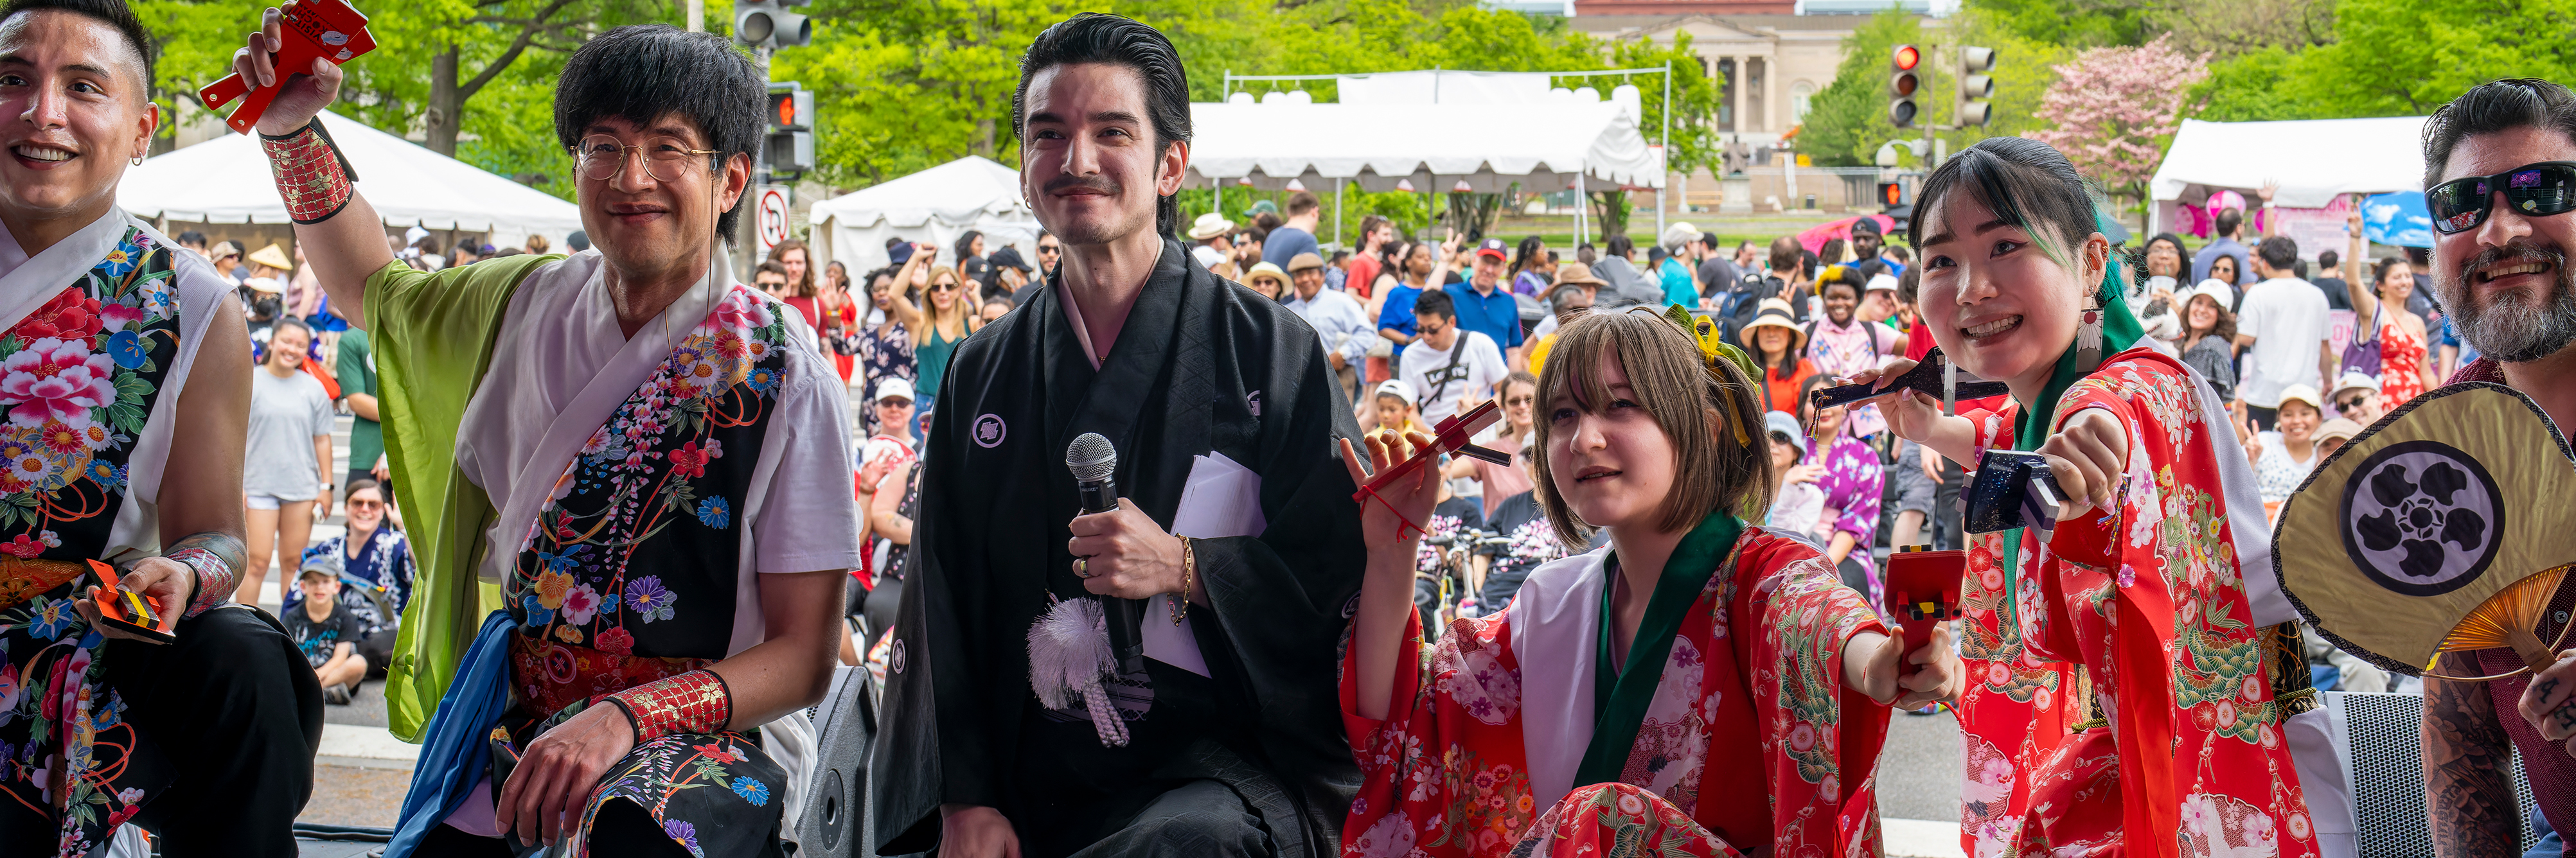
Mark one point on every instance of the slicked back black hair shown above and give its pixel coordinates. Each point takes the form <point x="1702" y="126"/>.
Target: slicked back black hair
<point x="643" y="73"/>
<point x="1099" y="37"/>
<point x="113" y="13"/>
<point x="2488" y="108"/>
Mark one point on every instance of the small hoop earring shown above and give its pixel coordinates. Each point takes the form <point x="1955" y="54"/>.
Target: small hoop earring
<point x="138" y="162"/>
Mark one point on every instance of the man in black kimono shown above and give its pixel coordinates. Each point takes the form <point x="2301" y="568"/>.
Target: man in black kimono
<point x="1235" y="741"/>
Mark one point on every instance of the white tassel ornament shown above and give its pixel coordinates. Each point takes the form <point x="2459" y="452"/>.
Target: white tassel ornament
<point x="1070" y="661"/>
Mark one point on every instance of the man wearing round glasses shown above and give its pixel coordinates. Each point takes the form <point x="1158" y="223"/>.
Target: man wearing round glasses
<point x="649" y="458"/>
<point x="2500" y="174"/>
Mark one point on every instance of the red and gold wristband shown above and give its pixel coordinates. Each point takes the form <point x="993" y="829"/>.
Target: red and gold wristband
<point x="692" y="702"/>
<point x="313" y="177"/>
<point x="216" y="579"/>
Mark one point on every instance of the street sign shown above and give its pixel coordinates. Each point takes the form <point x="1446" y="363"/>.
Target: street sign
<point x="771" y="209"/>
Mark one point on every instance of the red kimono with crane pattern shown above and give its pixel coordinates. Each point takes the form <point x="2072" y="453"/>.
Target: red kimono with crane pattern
<point x="1751" y="742"/>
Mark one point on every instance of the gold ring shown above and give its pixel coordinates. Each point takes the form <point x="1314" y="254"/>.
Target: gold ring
<point x="1082" y="567"/>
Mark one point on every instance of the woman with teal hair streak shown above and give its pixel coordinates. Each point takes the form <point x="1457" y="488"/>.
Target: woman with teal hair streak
<point x="2131" y="691"/>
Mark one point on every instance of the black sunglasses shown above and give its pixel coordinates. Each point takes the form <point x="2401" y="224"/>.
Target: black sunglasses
<point x="2350" y="403"/>
<point x="2535" y="190"/>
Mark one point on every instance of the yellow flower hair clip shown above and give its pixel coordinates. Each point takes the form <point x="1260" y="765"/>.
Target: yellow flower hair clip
<point x="1705" y="332"/>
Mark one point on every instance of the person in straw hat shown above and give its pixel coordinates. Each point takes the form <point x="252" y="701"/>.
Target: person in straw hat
<point x="1779" y="346"/>
<point x="1269" y="280"/>
<point x="1215" y="237"/>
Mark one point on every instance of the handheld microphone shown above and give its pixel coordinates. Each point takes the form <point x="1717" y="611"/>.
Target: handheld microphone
<point x="1092" y="461"/>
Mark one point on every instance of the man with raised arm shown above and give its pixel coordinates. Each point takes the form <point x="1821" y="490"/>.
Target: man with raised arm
<point x="1234" y="527"/>
<point x="649" y="458"/>
<point x="119" y="346"/>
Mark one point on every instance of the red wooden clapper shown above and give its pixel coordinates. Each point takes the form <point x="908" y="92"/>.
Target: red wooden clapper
<point x="312" y="29"/>
<point x="1449" y="436"/>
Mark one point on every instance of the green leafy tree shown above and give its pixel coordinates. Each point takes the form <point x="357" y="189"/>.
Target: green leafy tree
<point x="2251" y="87"/>
<point x="1847" y="122"/>
<point x="2075" y="23"/>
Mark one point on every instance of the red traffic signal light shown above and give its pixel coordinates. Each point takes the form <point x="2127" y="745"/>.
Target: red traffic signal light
<point x="1890" y="194"/>
<point x="1907" y="57"/>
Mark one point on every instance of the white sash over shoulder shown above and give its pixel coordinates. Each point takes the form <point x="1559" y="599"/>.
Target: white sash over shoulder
<point x="530" y="482"/>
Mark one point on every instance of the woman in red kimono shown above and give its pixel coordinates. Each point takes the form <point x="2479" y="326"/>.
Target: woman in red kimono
<point x="1698" y="687"/>
<point x="2121" y="695"/>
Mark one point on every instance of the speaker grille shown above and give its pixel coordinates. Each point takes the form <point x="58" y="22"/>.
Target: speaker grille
<point x="2386" y="734"/>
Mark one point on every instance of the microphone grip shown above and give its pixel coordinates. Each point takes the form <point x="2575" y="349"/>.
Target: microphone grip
<point x="1125" y="617"/>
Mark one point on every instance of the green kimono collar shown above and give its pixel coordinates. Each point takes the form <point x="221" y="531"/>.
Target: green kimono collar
<point x="1620" y="696"/>
<point x="2120" y="332"/>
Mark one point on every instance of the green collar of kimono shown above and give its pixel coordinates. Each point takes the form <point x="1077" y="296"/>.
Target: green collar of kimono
<point x="2120" y="331"/>
<point x="1620" y="697"/>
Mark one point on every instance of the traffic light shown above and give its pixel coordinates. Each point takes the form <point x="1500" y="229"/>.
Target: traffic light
<point x="769" y="24"/>
<point x="791" y="109"/>
<point x="788" y="150"/>
<point x="1891" y="194"/>
<point x="1975" y="86"/>
<point x="1902" y="84"/>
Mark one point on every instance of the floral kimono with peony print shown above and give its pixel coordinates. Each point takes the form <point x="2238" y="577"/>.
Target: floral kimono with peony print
<point x="77" y="378"/>
<point x="1750" y="742"/>
<point x="630" y="575"/>
<point x="2121" y="702"/>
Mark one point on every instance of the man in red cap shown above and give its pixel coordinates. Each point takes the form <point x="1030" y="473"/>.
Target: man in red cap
<point x="1484" y="306"/>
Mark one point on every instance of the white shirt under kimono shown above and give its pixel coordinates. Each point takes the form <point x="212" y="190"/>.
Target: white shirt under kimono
<point x="561" y="367"/>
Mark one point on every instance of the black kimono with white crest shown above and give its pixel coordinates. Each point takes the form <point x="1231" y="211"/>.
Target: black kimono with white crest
<point x="1201" y="365"/>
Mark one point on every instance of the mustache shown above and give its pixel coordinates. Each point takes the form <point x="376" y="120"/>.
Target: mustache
<point x="1100" y="183"/>
<point x="2520" y="249"/>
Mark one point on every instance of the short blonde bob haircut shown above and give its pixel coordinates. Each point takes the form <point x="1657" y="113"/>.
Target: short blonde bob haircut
<point x="1711" y="471"/>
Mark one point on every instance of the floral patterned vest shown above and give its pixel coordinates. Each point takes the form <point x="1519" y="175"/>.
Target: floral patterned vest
<point x="77" y="378"/>
<point x="629" y="573"/>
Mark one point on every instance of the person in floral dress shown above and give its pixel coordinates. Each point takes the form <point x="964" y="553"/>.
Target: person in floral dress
<point x="885" y="348"/>
<point x="2405" y="366"/>
<point x="2174" y="735"/>
<point x="1853" y="481"/>
<point x="1730" y="700"/>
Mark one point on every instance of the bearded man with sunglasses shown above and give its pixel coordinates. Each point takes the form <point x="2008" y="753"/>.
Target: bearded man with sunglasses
<point x="649" y="458"/>
<point x="2500" y="179"/>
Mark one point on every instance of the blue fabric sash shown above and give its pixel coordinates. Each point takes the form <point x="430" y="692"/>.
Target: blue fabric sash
<point x="453" y="751"/>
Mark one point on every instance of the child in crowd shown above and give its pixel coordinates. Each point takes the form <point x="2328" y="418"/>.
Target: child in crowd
<point x="1396" y="411"/>
<point x="326" y="632"/>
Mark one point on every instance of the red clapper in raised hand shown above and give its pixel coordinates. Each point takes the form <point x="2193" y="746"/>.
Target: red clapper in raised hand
<point x="314" y="29"/>
<point x="1450" y="436"/>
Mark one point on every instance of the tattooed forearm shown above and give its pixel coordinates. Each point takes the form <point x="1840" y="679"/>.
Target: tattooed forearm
<point x="217" y="559"/>
<point x="2471" y="802"/>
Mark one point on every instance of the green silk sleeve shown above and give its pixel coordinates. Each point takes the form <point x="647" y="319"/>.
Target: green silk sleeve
<point x="433" y="335"/>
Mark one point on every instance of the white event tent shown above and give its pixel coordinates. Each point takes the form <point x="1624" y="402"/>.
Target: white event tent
<point x="1421" y="127"/>
<point x="226" y="180"/>
<point x="2313" y="160"/>
<point x="934" y="206"/>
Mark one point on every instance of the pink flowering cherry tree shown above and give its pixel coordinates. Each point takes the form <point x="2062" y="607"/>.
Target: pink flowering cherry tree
<point x="2117" y="108"/>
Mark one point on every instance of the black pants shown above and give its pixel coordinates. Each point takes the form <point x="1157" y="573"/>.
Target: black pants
<point x="1199" y="819"/>
<point x="239" y="714"/>
<point x="2263" y="417"/>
